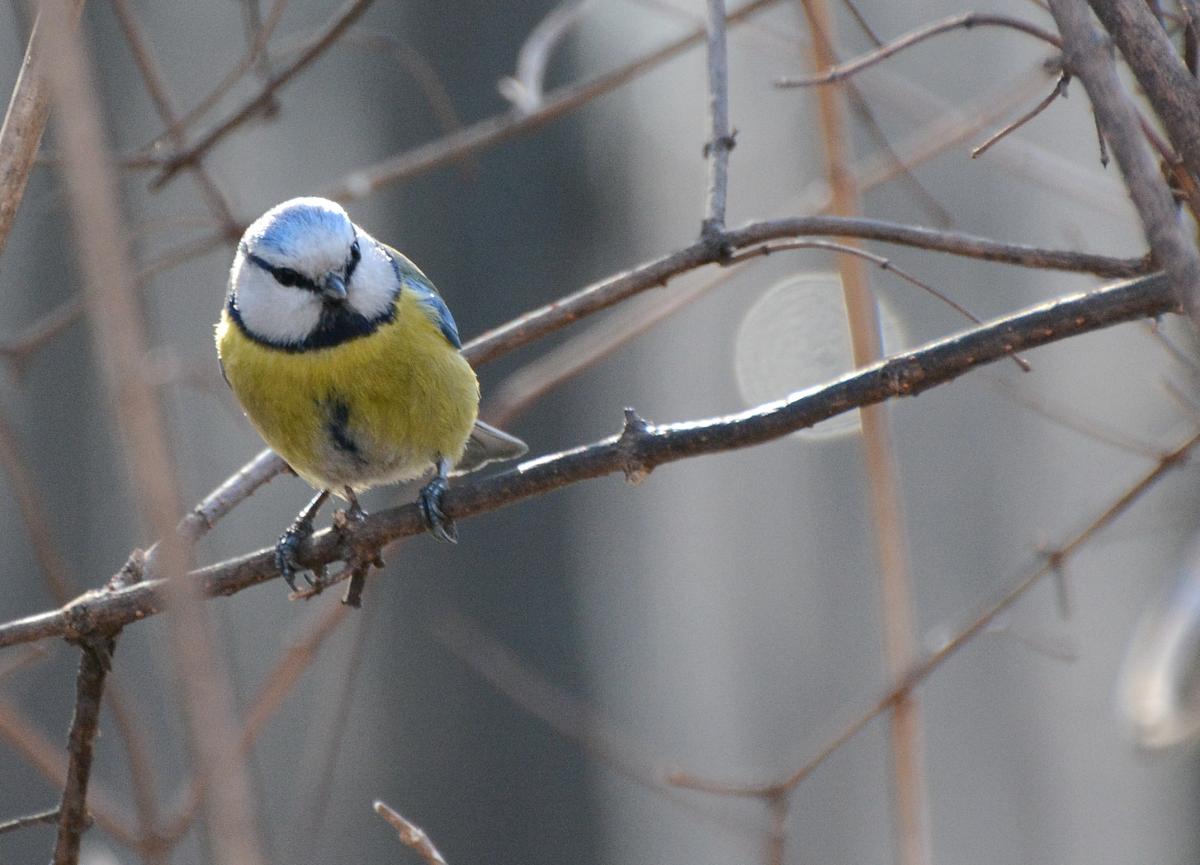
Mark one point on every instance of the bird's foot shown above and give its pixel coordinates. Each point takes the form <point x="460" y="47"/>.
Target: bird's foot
<point x="287" y="548"/>
<point x="429" y="500"/>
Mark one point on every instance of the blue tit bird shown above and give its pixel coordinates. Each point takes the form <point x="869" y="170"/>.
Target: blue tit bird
<point x="348" y="363"/>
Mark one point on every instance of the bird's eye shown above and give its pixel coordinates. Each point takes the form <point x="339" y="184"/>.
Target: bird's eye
<point x="286" y="276"/>
<point x="355" y="252"/>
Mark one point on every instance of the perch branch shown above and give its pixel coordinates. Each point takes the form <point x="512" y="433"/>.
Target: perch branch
<point x="641" y="447"/>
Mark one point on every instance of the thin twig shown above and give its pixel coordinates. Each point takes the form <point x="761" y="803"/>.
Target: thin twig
<point x="921" y="671"/>
<point x="156" y="85"/>
<point x="322" y="42"/>
<point x="641" y="448"/>
<point x="721" y="140"/>
<point x="43" y="818"/>
<point x="411" y="835"/>
<point x="274" y="15"/>
<point x="1060" y="89"/>
<point x="963" y="21"/>
<point x="601" y="295"/>
<point x="20" y="349"/>
<point x="885" y="264"/>
<point x="490" y="131"/>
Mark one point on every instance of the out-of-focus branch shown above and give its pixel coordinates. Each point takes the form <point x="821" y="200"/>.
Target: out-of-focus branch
<point x="156" y="86"/>
<point x="524" y="89"/>
<point x="116" y="316"/>
<point x="320" y="43"/>
<point x="50" y="761"/>
<point x="1171" y="88"/>
<point x="642" y="447"/>
<point x="249" y="59"/>
<point x="25" y="121"/>
<point x="964" y="21"/>
<point x="94" y="661"/>
<point x="1052" y="561"/>
<point x="501" y="127"/>
<point x="882" y="473"/>
<point x="1087" y="56"/>
<point x="19" y="349"/>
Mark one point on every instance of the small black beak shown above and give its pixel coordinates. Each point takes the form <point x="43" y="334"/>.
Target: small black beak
<point x="334" y="288"/>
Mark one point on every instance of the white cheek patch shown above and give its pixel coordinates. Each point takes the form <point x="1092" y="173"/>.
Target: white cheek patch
<point x="373" y="288"/>
<point x="271" y="311"/>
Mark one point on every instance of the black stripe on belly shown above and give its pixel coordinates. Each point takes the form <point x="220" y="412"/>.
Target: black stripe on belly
<point x="337" y="425"/>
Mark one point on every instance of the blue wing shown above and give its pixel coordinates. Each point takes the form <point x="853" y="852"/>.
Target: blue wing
<point x="418" y="283"/>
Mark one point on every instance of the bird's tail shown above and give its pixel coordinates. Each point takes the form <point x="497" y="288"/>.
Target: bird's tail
<point x="488" y="445"/>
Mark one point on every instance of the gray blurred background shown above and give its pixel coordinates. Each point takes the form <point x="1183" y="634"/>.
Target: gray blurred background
<point x="723" y="616"/>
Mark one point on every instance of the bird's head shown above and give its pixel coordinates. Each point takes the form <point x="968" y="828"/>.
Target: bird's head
<point x="302" y="266"/>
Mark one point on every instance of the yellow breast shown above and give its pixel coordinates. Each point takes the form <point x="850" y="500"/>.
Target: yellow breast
<point x="371" y="410"/>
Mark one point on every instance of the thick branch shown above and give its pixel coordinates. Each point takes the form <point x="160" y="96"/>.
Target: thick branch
<point x="1172" y="90"/>
<point x="642" y="447"/>
<point x="1086" y="55"/>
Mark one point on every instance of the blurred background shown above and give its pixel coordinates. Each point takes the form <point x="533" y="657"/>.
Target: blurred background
<point x="518" y="696"/>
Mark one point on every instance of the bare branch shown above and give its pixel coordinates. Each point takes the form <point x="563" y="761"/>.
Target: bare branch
<point x="94" y="662"/>
<point x="642" y="447"/>
<point x="1087" y="57"/>
<point x="963" y="21"/>
<point x="606" y="293"/>
<point x="1052" y="561"/>
<point x="721" y="140"/>
<point x="115" y="314"/>
<point x="342" y="20"/>
<point x="1060" y="89"/>
<point x="1171" y="88"/>
<point x="501" y="127"/>
<point x="411" y="835"/>
<point x="25" y="121"/>
<point x="39" y="819"/>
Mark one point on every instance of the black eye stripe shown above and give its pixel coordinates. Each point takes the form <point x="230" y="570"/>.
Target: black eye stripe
<point x="285" y="276"/>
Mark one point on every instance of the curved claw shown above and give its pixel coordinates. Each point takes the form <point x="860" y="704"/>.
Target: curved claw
<point x="289" y="542"/>
<point x="286" y="549"/>
<point x="429" y="500"/>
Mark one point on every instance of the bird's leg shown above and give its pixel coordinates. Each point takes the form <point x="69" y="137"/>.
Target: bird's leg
<point x="360" y="560"/>
<point x="429" y="500"/>
<point x="290" y="541"/>
<point x="355" y="513"/>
